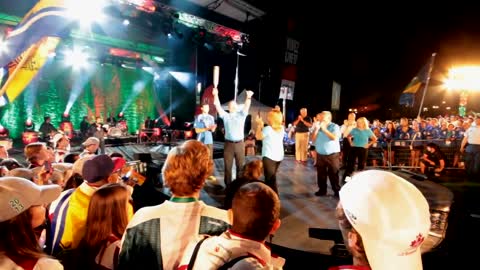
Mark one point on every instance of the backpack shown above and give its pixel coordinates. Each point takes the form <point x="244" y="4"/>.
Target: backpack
<point x="226" y="266"/>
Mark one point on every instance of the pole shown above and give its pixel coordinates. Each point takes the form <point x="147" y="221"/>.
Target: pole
<point x="284" y="107"/>
<point x="170" y="93"/>
<point x="430" y="67"/>
<point x="197" y="95"/>
<point x="236" y="77"/>
<point x="260" y="89"/>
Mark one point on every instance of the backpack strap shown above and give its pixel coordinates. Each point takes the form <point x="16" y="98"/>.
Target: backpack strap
<point x="194" y="254"/>
<point x="231" y="263"/>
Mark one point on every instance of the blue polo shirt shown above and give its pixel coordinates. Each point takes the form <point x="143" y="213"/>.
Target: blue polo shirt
<point x="361" y="136"/>
<point x="204" y="121"/>
<point x="324" y="145"/>
<point x="234" y="125"/>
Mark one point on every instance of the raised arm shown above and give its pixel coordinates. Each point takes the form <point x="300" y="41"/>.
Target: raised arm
<point x="259" y="128"/>
<point x="216" y="102"/>
<point x="248" y="101"/>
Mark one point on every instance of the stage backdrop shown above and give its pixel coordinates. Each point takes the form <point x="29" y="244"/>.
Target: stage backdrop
<point x="95" y="91"/>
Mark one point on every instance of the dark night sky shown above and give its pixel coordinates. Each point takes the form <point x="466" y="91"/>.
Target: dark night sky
<point x="374" y="53"/>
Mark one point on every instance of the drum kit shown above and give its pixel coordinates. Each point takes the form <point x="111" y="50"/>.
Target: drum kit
<point x="118" y="130"/>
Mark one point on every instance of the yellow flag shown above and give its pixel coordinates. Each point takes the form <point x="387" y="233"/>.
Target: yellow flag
<point x="26" y="66"/>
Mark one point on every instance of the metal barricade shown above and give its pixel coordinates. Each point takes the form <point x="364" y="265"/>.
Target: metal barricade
<point x="407" y="153"/>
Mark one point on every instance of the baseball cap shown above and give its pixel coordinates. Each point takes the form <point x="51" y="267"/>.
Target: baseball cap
<point x="90" y="141"/>
<point x="18" y="194"/>
<point x="391" y="215"/>
<point x="57" y="137"/>
<point x="98" y="168"/>
<point x="118" y="163"/>
<point x="77" y="167"/>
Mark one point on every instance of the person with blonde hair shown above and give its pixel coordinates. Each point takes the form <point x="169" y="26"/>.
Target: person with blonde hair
<point x="272" y="146"/>
<point x="360" y="138"/>
<point x="157" y="236"/>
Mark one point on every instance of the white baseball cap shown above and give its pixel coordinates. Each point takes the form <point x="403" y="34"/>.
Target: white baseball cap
<point x="391" y="215"/>
<point x="18" y="194"/>
<point x="57" y="137"/>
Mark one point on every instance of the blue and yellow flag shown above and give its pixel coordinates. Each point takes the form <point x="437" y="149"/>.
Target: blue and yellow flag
<point x="28" y="45"/>
<point x="48" y="18"/>
<point x="407" y="97"/>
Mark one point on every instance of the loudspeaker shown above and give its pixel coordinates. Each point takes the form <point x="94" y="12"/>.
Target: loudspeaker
<point x="143" y="157"/>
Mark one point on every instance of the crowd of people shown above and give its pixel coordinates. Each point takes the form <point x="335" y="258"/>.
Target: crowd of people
<point x="425" y="145"/>
<point x="80" y="210"/>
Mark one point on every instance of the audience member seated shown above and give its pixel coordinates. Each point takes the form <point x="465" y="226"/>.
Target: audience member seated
<point x="157" y="236"/>
<point x="252" y="171"/>
<point x="433" y="161"/>
<point x="384" y="220"/>
<point x="106" y="223"/>
<point x="255" y="213"/>
<point x="21" y="209"/>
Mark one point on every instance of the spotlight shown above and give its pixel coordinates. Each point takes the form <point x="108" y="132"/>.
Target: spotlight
<point x="76" y="58"/>
<point x="120" y="115"/>
<point x="29" y="125"/>
<point x="126" y="22"/>
<point x="245" y="39"/>
<point x="3" y="47"/>
<point x="169" y="35"/>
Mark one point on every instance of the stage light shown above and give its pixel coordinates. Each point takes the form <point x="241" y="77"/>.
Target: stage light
<point x="208" y="46"/>
<point x="87" y="11"/>
<point x="3" y="47"/>
<point x="28" y="123"/>
<point x="78" y="85"/>
<point x="158" y="59"/>
<point x="188" y="134"/>
<point x="76" y="58"/>
<point x="126" y="22"/>
<point x="148" y="69"/>
<point x="199" y="87"/>
<point x="3" y="101"/>
<point x="169" y="35"/>
<point x="182" y="77"/>
<point x="120" y="115"/>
